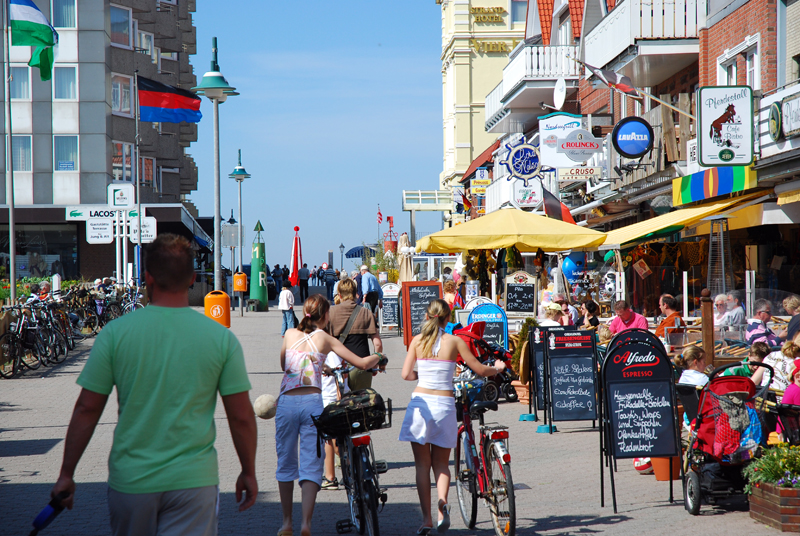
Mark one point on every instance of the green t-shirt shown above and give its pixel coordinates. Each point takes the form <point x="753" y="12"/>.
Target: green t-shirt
<point x="168" y="364"/>
<point x="741" y="370"/>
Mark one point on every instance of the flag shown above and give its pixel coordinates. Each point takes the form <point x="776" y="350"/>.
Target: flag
<point x="380" y="216"/>
<point x="466" y="202"/>
<point x="29" y="27"/>
<point x="160" y="103"/>
<point x="614" y="80"/>
<point x="297" y="257"/>
<point x="556" y="209"/>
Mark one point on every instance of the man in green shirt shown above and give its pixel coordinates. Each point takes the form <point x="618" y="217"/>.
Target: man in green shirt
<point x="168" y="363"/>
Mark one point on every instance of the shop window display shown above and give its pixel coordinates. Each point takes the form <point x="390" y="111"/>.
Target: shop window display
<point x="42" y="250"/>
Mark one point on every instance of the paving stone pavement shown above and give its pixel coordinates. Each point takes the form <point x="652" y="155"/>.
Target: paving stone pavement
<point x="556" y="476"/>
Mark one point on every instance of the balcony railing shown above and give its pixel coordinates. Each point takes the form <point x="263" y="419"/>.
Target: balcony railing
<point x="494" y="102"/>
<point x="633" y="20"/>
<point x="537" y="62"/>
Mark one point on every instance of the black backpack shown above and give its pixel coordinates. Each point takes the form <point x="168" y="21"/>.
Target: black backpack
<point x="357" y="412"/>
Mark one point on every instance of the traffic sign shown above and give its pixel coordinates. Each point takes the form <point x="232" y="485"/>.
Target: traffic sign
<point x="100" y="231"/>
<point x="148" y="229"/>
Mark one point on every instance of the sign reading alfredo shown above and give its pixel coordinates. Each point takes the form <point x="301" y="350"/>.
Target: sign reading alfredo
<point x="725" y="125"/>
<point x="640" y="398"/>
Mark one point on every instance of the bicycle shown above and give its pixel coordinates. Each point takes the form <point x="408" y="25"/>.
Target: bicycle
<point x="360" y="469"/>
<point x="483" y="468"/>
<point x="21" y="345"/>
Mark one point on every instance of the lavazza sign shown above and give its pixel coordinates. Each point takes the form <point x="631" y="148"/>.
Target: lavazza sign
<point x="725" y="125"/>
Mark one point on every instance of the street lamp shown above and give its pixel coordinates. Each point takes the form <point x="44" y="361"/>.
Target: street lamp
<point x="341" y="262"/>
<point x="239" y="174"/>
<point x="216" y="88"/>
<point x="231" y="222"/>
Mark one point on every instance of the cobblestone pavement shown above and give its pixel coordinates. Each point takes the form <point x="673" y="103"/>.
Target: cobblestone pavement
<point x="556" y="476"/>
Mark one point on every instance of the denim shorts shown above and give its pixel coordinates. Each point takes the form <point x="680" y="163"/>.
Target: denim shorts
<point x="296" y="438"/>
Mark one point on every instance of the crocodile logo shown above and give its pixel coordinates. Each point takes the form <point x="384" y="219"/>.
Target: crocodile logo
<point x="75" y="213"/>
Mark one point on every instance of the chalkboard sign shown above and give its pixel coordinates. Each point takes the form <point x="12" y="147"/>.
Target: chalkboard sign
<point x="416" y="297"/>
<point x="496" y="323"/>
<point x="640" y="401"/>
<point x="572" y="375"/>
<point x="536" y="340"/>
<point x="521" y="299"/>
<point x="390" y="312"/>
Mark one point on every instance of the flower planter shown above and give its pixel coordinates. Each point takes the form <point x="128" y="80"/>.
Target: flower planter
<point x="522" y="391"/>
<point x="775" y="506"/>
<point x="661" y="468"/>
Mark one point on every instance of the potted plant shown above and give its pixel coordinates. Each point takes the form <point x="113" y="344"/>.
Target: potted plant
<point x="774" y="487"/>
<point x="516" y="357"/>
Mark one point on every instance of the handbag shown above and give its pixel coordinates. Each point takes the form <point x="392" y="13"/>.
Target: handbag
<point x="296" y="321"/>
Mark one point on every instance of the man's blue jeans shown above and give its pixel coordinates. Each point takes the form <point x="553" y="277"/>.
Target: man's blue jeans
<point x="330" y="284"/>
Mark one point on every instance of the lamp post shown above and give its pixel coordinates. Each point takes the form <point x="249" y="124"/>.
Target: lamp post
<point x="231" y="222"/>
<point x="341" y="262"/>
<point x="239" y="175"/>
<point x="216" y="88"/>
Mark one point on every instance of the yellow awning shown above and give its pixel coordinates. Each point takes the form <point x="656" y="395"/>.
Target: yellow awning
<point x="789" y="197"/>
<point x="685" y="216"/>
<point x="511" y="227"/>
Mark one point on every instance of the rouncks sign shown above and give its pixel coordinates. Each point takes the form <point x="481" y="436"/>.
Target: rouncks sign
<point x="632" y="137"/>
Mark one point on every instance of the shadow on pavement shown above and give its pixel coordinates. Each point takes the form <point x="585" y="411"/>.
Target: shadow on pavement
<point x="27" y="447"/>
<point x="563" y="523"/>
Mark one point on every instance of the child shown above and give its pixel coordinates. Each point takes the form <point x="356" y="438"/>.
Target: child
<point x="286" y="305"/>
<point x="757" y="353"/>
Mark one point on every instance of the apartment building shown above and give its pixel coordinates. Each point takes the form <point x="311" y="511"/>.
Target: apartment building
<point x="74" y="135"/>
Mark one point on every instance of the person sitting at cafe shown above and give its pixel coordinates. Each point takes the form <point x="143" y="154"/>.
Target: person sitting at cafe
<point x="757" y="328"/>
<point x="626" y="318"/>
<point x="693" y="363"/>
<point x="552" y="315"/>
<point x="792" y="306"/>
<point x="720" y="310"/>
<point x="569" y="309"/>
<point x="673" y="323"/>
<point x="736" y="315"/>
<point x="756" y="354"/>
<point x="589" y="320"/>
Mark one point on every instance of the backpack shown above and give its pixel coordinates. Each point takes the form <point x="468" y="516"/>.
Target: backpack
<point x="357" y="412"/>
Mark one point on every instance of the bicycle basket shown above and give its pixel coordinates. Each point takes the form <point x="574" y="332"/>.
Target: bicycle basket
<point x="357" y="412"/>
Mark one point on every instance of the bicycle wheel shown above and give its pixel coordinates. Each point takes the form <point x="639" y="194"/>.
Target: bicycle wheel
<point x="113" y="311"/>
<point x="351" y="479"/>
<point x="502" y="505"/>
<point x="465" y="481"/>
<point x="91" y="324"/>
<point x="9" y="357"/>
<point x="369" y="495"/>
<point x="58" y="343"/>
<point x="42" y="347"/>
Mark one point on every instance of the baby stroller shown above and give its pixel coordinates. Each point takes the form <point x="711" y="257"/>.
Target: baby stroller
<point x="727" y="433"/>
<point x="487" y="353"/>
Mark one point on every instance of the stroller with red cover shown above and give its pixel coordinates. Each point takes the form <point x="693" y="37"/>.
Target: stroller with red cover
<point x="486" y="353"/>
<point x="727" y="432"/>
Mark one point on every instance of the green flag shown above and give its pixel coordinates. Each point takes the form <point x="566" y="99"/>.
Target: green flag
<point x="29" y="27"/>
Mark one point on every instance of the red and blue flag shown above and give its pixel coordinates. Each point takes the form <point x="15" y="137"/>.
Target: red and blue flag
<point x="160" y="103"/>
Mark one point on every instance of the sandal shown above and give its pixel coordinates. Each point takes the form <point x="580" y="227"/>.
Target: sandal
<point x="444" y="524"/>
<point x="423" y="531"/>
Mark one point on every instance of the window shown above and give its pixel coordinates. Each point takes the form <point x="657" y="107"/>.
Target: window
<point x="64" y="14"/>
<point x="147" y="168"/>
<point x="169" y="56"/>
<point x="21" y="153"/>
<point x="20" y="83"/>
<point x="751" y="64"/>
<point x="565" y="32"/>
<point x="519" y="10"/>
<point x="728" y="74"/>
<point x="121" y="160"/>
<point x="65" y="83"/>
<point x="144" y="44"/>
<point x="121" y="94"/>
<point x="121" y="26"/>
<point x="65" y="153"/>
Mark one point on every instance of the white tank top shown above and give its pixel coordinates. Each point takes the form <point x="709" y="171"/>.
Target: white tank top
<point x="436" y="374"/>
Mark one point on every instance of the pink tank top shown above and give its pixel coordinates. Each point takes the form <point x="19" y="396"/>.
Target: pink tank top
<point x="303" y="368"/>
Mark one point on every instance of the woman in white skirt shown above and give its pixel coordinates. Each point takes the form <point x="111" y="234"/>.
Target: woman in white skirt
<point x="430" y="423"/>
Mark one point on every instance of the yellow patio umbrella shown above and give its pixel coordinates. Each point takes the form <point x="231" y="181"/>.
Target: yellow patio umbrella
<point x="511" y="227"/>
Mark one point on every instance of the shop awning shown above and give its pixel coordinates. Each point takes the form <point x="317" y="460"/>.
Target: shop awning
<point x="482" y="160"/>
<point x="511" y="227"/>
<point x="680" y="218"/>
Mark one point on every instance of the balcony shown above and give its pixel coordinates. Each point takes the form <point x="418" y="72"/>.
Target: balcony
<point x="528" y="80"/>
<point x="647" y="40"/>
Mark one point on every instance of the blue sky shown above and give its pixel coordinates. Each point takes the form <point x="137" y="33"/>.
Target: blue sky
<point x="340" y="110"/>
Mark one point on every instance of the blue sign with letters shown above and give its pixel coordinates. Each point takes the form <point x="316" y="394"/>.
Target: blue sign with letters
<point x="496" y="323"/>
<point x="633" y="137"/>
<point x="522" y="161"/>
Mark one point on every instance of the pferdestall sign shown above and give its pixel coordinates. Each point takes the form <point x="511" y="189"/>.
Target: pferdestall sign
<point x="632" y="137"/>
<point x="523" y="161"/>
<point x="725" y="125"/>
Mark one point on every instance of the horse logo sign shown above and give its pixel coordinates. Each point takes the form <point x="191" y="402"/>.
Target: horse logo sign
<point x="726" y="126"/>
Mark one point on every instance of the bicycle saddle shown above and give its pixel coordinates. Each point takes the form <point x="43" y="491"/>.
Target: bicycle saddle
<point x="483" y="407"/>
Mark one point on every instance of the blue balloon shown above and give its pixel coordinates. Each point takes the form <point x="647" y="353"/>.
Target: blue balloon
<point x="569" y="267"/>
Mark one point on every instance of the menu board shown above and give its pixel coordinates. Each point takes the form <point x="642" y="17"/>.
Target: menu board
<point x="535" y="340"/>
<point x="520" y="298"/>
<point x="641" y="419"/>
<point x="390" y="312"/>
<point x="416" y="297"/>
<point x="496" y="323"/>
<point x="572" y="374"/>
<point x="640" y="400"/>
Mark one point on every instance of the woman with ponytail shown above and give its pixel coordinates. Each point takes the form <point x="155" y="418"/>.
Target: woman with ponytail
<point x="302" y="355"/>
<point x="430" y="423"/>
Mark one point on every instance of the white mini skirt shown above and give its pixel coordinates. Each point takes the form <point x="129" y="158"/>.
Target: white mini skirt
<point x="430" y="419"/>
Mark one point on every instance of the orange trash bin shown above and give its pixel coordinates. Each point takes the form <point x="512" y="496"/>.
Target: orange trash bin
<point x="218" y="307"/>
<point x="240" y="282"/>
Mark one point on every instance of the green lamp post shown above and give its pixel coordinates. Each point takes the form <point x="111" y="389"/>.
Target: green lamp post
<point x="216" y="88"/>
